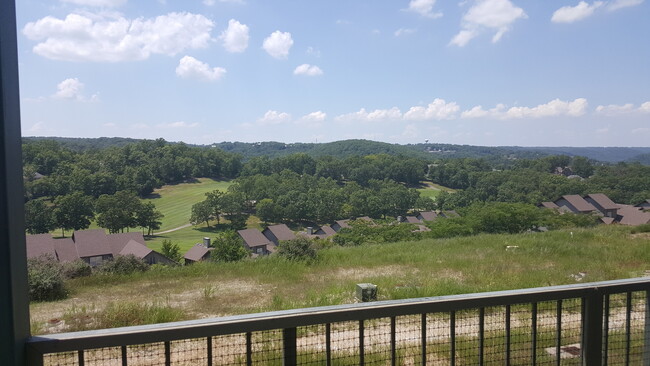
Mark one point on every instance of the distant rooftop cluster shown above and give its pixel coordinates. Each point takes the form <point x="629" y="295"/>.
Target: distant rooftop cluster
<point x="600" y="204"/>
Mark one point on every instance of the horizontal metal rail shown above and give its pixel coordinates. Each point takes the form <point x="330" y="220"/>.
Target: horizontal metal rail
<point x="590" y="294"/>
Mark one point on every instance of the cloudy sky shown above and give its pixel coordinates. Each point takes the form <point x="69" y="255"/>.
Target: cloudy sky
<point x="478" y="72"/>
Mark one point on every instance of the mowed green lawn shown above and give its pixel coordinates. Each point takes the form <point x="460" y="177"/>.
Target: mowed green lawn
<point x="432" y="190"/>
<point x="187" y="237"/>
<point x="175" y="201"/>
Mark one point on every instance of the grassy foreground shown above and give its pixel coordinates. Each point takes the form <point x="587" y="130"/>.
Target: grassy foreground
<point x="401" y="270"/>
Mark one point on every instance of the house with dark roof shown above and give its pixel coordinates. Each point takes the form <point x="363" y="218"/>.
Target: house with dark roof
<point x="277" y="233"/>
<point x="340" y="224"/>
<point x="603" y="204"/>
<point x="40" y="244"/>
<point x="197" y="253"/>
<point x="633" y="216"/>
<point x="323" y="232"/>
<point x="427" y="216"/>
<point x="255" y="242"/>
<point x="575" y="204"/>
<point x="412" y="220"/>
<point x="550" y="205"/>
<point x="94" y="247"/>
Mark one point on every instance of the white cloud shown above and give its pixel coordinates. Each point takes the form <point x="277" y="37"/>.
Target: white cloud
<point x="313" y="119"/>
<point x="645" y="107"/>
<point x="278" y="44"/>
<point x="641" y="130"/>
<point x="438" y="110"/>
<point x="308" y="70"/>
<point x="208" y="2"/>
<point x="495" y="15"/>
<point x="272" y="117"/>
<point x="479" y="112"/>
<point x="570" y="14"/>
<point x="618" y="4"/>
<point x="424" y="8"/>
<point x="98" y="3"/>
<point x="235" y="38"/>
<point x="113" y="38"/>
<point x="191" y="68"/>
<point x="72" y="89"/>
<point x="614" y="109"/>
<point x="69" y="89"/>
<point x="404" y="32"/>
<point x="109" y="125"/>
<point x="556" y="107"/>
<point x="179" y="124"/>
<point x="377" y="115"/>
<point x="318" y="116"/>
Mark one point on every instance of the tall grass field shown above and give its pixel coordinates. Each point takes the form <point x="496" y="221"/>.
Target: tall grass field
<point x="400" y="270"/>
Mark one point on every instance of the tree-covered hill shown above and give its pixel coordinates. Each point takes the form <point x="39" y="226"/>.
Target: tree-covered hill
<point x="347" y="148"/>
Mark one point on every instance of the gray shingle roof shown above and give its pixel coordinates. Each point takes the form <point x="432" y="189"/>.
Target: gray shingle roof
<point x="253" y="238"/>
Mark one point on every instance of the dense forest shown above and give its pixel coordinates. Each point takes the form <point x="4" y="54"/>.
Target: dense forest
<point x="68" y="186"/>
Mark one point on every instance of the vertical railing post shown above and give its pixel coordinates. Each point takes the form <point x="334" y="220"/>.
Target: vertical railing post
<point x="14" y="302"/>
<point x="592" y="329"/>
<point x="289" y="336"/>
<point x="646" y="331"/>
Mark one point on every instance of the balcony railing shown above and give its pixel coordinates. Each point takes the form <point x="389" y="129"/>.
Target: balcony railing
<point x="604" y="323"/>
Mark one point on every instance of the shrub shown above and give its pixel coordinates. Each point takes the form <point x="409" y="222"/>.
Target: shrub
<point x="300" y="249"/>
<point x="124" y="264"/>
<point x="45" y="277"/>
<point x="448" y="228"/>
<point x="77" y="268"/>
<point x="228" y="247"/>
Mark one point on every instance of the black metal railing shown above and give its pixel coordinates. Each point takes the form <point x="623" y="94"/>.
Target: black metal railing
<point x="603" y="323"/>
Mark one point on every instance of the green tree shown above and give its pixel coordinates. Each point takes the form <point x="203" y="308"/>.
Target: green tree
<point x="148" y="217"/>
<point x="215" y="200"/>
<point x="228" y="247"/>
<point x="201" y="211"/>
<point x="39" y="217"/>
<point x="171" y="250"/>
<point x="73" y="212"/>
<point x="117" y="212"/>
<point x="268" y="211"/>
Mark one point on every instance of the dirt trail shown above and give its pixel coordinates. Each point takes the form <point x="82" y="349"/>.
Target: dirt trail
<point x="174" y="229"/>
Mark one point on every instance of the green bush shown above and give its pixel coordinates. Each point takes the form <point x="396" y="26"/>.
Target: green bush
<point x="77" y="268"/>
<point x="171" y="250"/>
<point x="228" y="247"/>
<point x="300" y="249"/>
<point x="448" y="228"/>
<point x="124" y="264"/>
<point x="45" y="277"/>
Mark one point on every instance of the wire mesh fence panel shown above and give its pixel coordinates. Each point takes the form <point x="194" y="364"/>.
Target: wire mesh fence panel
<point x="229" y="350"/>
<point x="146" y="354"/>
<point x="189" y="352"/>
<point x="408" y="339"/>
<point x="520" y="338"/>
<point x="494" y="336"/>
<point x="466" y="342"/>
<point x="438" y="346"/>
<point x="377" y="348"/>
<point x="626" y="328"/>
<point x="61" y="359"/>
<point x="345" y="343"/>
<point x="267" y="347"/>
<point x="311" y="345"/>
<point x="111" y="356"/>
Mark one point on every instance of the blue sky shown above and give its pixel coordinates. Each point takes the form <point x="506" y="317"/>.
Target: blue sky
<point x="477" y="72"/>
